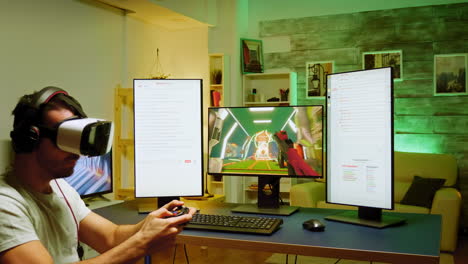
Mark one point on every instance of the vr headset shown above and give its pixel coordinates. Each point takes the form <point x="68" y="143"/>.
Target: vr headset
<point x="83" y="136"/>
<point x="79" y="134"/>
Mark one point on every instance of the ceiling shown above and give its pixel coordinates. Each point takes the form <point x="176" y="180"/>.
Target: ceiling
<point x="155" y="14"/>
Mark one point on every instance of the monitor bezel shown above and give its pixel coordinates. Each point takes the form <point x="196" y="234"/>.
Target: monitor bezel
<point x="202" y="173"/>
<point x="327" y="182"/>
<point x="271" y="175"/>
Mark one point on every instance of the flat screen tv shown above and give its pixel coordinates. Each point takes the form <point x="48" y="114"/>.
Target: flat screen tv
<point x="360" y="145"/>
<point x="92" y="175"/>
<point x="269" y="143"/>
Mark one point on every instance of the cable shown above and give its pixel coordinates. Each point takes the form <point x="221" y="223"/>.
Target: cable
<point x="174" y="255"/>
<point x="79" y="249"/>
<point x="287" y="257"/>
<point x="295" y="260"/>
<point x="185" y="252"/>
<point x="186" y="255"/>
<point x="148" y="259"/>
<point x="279" y="196"/>
<point x="337" y="261"/>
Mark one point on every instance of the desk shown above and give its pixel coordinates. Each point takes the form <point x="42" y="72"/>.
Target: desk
<point x="417" y="241"/>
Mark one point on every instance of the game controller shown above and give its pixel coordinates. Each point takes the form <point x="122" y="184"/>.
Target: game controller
<point x="178" y="211"/>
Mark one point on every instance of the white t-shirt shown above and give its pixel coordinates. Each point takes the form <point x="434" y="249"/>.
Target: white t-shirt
<point x="27" y="216"/>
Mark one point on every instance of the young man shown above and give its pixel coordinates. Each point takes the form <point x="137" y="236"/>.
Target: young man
<point x="43" y="218"/>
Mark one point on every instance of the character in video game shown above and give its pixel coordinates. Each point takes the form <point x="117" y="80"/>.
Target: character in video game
<point x="288" y="154"/>
<point x="262" y="143"/>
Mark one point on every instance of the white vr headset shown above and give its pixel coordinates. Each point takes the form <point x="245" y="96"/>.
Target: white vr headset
<point x="83" y="136"/>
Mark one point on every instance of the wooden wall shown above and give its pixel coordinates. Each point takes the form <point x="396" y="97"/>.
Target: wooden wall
<point x="423" y="122"/>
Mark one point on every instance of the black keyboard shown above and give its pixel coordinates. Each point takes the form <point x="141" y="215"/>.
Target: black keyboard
<point x="234" y="223"/>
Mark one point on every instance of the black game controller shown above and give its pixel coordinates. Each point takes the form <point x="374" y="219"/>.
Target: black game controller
<point x="178" y="211"/>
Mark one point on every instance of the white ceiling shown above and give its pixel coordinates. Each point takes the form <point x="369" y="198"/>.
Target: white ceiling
<point x="155" y="14"/>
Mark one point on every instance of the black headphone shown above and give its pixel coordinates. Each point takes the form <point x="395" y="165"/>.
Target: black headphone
<point x="26" y="133"/>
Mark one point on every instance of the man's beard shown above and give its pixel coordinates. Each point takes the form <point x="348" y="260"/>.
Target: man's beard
<point x="64" y="173"/>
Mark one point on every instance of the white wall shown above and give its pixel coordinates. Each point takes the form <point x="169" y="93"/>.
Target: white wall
<point x="70" y="44"/>
<point x="87" y="48"/>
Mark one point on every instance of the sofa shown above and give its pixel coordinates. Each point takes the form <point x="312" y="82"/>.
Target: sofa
<point x="446" y="200"/>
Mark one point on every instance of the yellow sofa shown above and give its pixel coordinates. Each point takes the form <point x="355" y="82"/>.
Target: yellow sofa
<point x="446" y="202"/>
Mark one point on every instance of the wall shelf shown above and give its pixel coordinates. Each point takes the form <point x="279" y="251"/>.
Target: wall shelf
<point x="258" y="88"/>
<point x="218" y="78"/>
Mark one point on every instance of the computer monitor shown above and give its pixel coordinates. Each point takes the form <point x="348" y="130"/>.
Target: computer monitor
<point x="360" y="145"/>
<point x="168" y="138"/>
<point x="92" y="175"/>
<point x="268" y="143"/>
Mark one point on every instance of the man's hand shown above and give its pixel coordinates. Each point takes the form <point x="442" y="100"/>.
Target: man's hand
<point x="160" y="229"/>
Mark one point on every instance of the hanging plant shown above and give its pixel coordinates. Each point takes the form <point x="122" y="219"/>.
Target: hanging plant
<point x="159" y="69"/>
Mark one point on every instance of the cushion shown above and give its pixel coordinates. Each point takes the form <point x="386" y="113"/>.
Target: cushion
<point x="422" y="191"/>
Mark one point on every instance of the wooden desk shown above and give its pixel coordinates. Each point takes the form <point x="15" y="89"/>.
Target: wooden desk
<point x="417" y="241"/>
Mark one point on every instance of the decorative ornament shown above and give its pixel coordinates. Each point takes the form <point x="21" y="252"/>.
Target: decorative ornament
<point x="159" y="69"/>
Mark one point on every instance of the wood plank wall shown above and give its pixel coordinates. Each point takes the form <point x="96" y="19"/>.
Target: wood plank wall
<point x="423" y="122"/>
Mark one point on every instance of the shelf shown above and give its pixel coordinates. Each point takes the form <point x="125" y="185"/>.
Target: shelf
<point x="216" y="87"/>
<point x="255" y="190"/>
<point x="217" y="182"/>
<point x="263" y="86"/>
<point x="218" y="78"/>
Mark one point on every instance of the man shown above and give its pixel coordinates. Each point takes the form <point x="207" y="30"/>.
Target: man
<point x="43" y="218"/>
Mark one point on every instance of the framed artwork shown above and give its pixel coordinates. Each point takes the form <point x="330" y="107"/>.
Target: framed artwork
<point x="450" y="74"/>
<point x="316" y="76"/>
<point x="252" y="56"/>
<point x="379" y="59"/>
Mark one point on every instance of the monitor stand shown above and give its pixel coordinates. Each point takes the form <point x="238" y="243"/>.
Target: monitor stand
<point x="366" y="216"/>
<point x="149" y="205"/>
<point x="165" y="200"/>
<point x="268" y="199"/>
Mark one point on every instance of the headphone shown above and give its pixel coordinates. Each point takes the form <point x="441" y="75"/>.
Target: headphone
<point x="26" y="133"/>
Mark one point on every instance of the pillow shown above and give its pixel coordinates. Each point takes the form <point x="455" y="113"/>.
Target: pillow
<point x="422" y="191"/>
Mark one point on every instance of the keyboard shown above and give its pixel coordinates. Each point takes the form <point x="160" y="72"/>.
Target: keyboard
<point x="234" y="223"/>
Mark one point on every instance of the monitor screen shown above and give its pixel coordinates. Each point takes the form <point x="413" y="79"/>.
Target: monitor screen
<point x="266" y="141"/>
<point x="92" y="175"/>
<point x="360" y="139"/>
<point x="168" y="137"/>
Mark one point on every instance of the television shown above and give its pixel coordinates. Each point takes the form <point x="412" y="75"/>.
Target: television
<point x="168" y="121"/>
<point x="360" y="145"/>
<point x="92" y="176"/>
<point x="268" y="143"/>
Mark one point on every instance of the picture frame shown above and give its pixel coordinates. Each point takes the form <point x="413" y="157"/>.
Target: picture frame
<point x="316" y="77"/>
<point x="380" y="59"/>
<point x="252" y="56"/>
<point x="450" y="77"/>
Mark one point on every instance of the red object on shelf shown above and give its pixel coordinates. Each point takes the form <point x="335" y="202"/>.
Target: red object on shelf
<point x="216" y="97"/>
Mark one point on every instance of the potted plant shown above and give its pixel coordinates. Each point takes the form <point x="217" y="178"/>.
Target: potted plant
<point x="216" y="76"/>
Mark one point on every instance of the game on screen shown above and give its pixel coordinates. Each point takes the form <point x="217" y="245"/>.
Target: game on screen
<point x="281" y="140"/>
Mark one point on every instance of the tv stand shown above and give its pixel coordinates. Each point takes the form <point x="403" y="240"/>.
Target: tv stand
<point x="268" y="199"/>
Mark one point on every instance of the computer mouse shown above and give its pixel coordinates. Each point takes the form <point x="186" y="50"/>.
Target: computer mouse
<point x="313" y="225"/>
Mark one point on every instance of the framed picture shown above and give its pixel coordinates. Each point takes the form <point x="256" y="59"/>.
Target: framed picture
<point x="450" y="74"/>
<point x="316" y="76"/>
<point x="379" y="59"/>
<point x="252" y="56"/>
